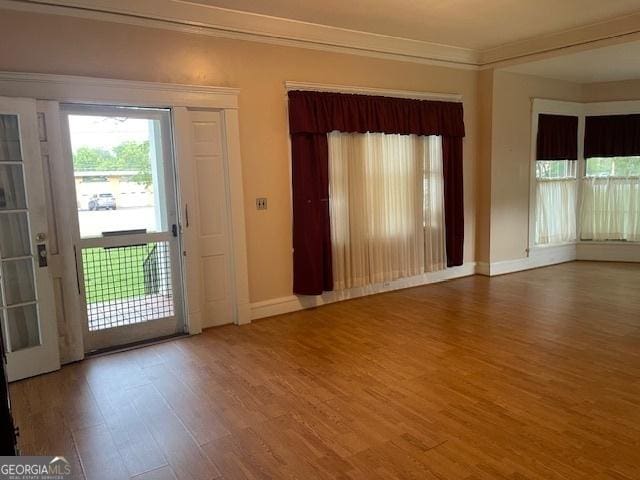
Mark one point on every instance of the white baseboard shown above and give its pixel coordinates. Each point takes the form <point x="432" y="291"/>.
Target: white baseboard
<point x="292" y="303"/>
<point x="483" y="268"/>
<point x="609" y="251"/>
<point x="544" y="256"/>
<point x="538" y="257"/>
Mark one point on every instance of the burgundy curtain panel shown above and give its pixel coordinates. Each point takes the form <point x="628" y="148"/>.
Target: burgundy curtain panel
<point x="314" y="114"/>
<point x="612" y="136"/>
<point x="453" y="199"/>
<point x="312" y="270"/>
<point x="557" y="137"/>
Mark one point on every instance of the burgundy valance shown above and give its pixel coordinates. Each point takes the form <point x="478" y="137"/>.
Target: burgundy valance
<point x="323" y="112"/>
<point x="612" y="136"/>
<point x="557" y="137"/>
<point x="314" y="114"/>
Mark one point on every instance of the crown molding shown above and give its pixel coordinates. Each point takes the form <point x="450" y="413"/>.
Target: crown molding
<point x="618" y="30"/>
<point x="183" y="16"/>
<point x="186" y="17"/>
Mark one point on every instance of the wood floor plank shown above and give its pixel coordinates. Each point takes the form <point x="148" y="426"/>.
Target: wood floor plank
<point x="178" y="446"/>
<point x="100" y="457"/>
<point x="133" y="440"/>
<point x="163" y="473"/>
<point x="529" y="376"/>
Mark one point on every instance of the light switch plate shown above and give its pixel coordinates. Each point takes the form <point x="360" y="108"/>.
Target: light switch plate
<point x="261" y="203"/>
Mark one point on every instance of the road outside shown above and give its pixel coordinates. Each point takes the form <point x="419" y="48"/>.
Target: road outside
<point x="92" y="224"/>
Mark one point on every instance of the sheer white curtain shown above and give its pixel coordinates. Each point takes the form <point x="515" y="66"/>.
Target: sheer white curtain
<point x="556" y="203"/>
<point x="610" y="208"/>
<point x="387" y="207"/>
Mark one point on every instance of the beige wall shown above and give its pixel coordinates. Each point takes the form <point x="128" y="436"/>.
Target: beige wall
<point x="485" y="139"/>
<point x="504" y="146"/>
<point x="611" y="91"/>
<point x="511" y="157"/>
<point x="63" y="45"/>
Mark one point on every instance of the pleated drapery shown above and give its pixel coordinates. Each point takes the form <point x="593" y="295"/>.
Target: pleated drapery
<point x="312" y="115"/>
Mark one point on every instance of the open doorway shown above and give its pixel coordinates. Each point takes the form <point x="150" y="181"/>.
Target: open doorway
<point x="129" y="266"/>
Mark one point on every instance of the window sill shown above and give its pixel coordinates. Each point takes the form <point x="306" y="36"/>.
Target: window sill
<point x="582" y="242"/>
<point x="607" y="242"/>
<point x="551" y="245"/>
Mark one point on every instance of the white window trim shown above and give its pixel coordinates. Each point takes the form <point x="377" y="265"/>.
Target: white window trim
<point x="581" y="110"/>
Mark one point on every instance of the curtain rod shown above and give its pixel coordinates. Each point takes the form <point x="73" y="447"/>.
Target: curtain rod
<point x="320" y="87"/>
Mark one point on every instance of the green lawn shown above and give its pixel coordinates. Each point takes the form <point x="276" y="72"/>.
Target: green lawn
<point x="112" y="274"/>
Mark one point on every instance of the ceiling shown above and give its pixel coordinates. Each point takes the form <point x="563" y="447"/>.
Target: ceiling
<point x="618" y="62"/>
<point x="475" y="24"/>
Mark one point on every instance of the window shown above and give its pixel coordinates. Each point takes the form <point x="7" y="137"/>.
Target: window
<point x="610" y="206"/>
<point x="599" y="198"/>
<point x="613" y="167"/>
<point x="114" y="155"/>
<point x="556" y="189"/>
<point x="556" y="184"/>
<point x="386" y="202"/>
<point x="555" y="169"/>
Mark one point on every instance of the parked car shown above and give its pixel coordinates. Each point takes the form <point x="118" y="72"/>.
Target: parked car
<point x="102" y="201"/>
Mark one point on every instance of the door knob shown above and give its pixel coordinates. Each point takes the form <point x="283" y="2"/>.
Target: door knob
<point x="42" y="255"/>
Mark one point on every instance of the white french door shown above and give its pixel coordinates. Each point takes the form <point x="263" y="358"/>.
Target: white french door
<point x="128" y="234"/>
<point x="27" y="311"/>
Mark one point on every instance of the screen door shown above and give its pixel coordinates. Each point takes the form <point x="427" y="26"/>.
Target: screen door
<point x="128" y="251"/>
<point x="26" y="288"/>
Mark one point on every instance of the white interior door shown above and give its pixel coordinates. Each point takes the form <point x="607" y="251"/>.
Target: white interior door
<point x="201" y="157"/>
<point x="27" y="303"/>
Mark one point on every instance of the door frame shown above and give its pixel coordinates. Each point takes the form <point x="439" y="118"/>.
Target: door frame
<point x="87" y="90"/>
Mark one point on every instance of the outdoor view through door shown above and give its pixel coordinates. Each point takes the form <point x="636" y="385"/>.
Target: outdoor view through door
<point x="128" y="227"/>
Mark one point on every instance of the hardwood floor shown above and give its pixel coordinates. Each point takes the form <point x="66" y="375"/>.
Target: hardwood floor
<point x="534" y="375"/>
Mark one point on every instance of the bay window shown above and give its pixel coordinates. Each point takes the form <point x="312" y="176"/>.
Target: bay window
<point x="592" y="198"/>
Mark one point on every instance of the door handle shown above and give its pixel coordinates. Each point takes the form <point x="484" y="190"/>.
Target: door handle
<point x="42" y="255"/>
<point x="75" y="259"/>
<point x="174" y="229"/>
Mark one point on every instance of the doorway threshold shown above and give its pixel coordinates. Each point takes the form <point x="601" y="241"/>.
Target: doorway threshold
<point x="132" y="346"/>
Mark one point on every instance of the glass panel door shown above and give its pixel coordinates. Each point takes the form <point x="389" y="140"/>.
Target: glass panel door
<point x="17" y="272"/>
<point x="25" y="284"/>
<point x="129" y="255"/>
